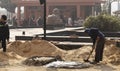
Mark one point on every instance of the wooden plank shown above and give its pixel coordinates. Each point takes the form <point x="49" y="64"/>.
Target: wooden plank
<point x="81" y="33"/>
<point x="55" y="38"/>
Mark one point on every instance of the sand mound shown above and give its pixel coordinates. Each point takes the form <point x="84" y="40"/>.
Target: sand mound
<point x="9" y="56"/>
<point x="77" y="54"/>
<point x="112" y="54"/>
<point x="34" y="48"/>
<point x="19" y="50"/>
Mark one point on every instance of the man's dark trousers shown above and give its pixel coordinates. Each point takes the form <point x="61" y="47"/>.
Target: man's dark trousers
<point x="3" y="42"/>
<point x="99" y="50"/>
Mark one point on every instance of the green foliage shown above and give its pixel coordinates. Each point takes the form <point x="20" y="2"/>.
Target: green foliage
<point x="103" y="22"/>
<point x="8" y="5"/>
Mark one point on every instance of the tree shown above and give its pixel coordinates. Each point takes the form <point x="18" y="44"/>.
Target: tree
<point x="107" y="5"/>
<point x="104" y="22"/>
<point x="8" y="5"/>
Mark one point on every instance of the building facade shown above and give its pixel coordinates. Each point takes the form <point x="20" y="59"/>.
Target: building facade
<point x="69" y="8"/>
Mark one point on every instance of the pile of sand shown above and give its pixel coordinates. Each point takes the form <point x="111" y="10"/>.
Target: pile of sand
<point x="77" y="54"/>
<point x="9" y="55"/>
<point x="34" y="48"/>
<point x="19" y="50"/>
<point x="112" y="54"/>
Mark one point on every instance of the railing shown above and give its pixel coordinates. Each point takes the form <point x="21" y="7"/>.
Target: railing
<point x="103" y="0"/>
<point x="29" y="0"/>
<point x="21" y="1"/>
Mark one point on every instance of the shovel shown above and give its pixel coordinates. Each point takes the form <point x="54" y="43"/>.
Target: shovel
<point x="87" y="59"/>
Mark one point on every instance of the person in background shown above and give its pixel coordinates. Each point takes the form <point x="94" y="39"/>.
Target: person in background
<point x="98" y="39"/>
<point x="14" y="20"/>
<point x="4" y="32"/>
<point x="69" y="21"/>
<point x="40" y="22"/>
<point x="78" y="22"/>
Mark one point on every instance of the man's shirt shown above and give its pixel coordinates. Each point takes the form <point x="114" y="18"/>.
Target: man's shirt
<point x="4" y="30"/>
<point x="94" y="33"/>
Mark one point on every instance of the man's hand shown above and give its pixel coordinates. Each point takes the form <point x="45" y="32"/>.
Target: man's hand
<point x="8" y="41"/>
<point x="93" y="47"/>
<point x="98" y="38"/>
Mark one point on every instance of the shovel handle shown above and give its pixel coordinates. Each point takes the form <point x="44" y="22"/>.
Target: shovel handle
<point x="93" y="47"/>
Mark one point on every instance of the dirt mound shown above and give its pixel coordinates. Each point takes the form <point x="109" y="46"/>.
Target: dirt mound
<point x="34" y="48"/>
<point x="9" y="58"/>
<point x="19" y="50"/>
<point x="77" y="54"/>
<point x="112" y="54"/>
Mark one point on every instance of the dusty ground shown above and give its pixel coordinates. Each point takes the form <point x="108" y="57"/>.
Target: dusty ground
<point x="18" y="51"/>
<point x="32" y="68"/>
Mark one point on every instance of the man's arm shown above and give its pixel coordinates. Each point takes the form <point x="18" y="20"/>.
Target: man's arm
<point x="95" y="44"/>
<point x="7" y="33"/>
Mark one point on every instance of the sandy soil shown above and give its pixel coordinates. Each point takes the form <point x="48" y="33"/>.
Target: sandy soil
<point x="39" y="68"/>
<point x="18" y="51"/>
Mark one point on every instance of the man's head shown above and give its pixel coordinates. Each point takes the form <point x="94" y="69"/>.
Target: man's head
<point x="3" y="17"/>
<point x="87" y="30"/>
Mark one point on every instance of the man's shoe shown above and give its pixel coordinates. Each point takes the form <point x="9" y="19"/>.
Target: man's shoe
<point x="94" y="62"/>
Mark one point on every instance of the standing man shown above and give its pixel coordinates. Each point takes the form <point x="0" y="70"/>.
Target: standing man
<point x="98" y="39"/>
<point x="4" y="32"/>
